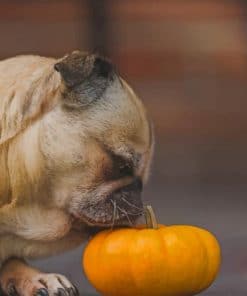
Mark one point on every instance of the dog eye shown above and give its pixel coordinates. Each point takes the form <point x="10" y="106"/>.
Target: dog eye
<point x="121" y="167"/>
<point x="126" y="170"/>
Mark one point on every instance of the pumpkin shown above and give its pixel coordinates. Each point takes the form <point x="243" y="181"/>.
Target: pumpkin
<point x="159" y="260"/>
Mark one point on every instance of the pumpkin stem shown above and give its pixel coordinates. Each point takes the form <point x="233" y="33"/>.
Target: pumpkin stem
<point x="151" y="220"/>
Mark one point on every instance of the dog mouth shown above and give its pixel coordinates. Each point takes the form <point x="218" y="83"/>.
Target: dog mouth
<point x="93" y="230"/>
<point x="110" y="215"/>
<point x="92" y="226"/>
<point x="120" y="207"/>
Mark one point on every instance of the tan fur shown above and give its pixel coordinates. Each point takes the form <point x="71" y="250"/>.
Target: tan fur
<point x="51" y="158"/>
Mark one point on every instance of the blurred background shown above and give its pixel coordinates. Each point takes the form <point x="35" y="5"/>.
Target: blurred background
<point x="187" y="60"/>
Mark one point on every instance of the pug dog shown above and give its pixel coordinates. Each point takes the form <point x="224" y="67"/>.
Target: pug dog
<point x="75" y="149"/>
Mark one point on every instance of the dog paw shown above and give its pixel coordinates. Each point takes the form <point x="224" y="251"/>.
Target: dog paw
<point x="41" y="285"/>
<point x="57" y="285"/>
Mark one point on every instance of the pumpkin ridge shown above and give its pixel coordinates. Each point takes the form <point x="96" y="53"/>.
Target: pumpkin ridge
<point x="130" y="232"/>
<point x="209" y="278"/>
<point x="144" y="234"/>
<point x="178" y="235"/>
<point x="199" y="287"/>
<point x="131" y="268"/>
<point x="164" y="254"/>
<point x="90" y="267"/>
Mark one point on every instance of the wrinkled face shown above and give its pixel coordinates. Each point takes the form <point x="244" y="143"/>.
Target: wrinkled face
<point x="97" y="143"/>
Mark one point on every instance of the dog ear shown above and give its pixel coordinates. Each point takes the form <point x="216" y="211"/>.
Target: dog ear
<point x="74" y="68"/>
<point x="85" y="76"/>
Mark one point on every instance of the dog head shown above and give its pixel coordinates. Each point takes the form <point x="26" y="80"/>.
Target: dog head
<point x="97" y="143"/>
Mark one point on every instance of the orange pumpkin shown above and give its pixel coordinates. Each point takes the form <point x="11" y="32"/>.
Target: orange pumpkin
<point x="164" y="260"/>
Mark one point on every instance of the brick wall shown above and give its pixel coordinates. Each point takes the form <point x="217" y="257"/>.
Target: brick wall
<point x="186" y="59"/>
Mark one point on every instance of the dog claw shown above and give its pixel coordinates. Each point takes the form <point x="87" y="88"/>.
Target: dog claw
<point x="42" y="292"/>
<point x="73" y="291"/>
<point x="61" y="292"/>
<point x="12" y="291"/>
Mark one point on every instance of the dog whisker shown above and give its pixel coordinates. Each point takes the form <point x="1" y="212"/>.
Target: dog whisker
<point x="126" y="214"/>
<point x="132" y="205"/>
<point x="114" y="212"/>
<point x="137" y="214"/>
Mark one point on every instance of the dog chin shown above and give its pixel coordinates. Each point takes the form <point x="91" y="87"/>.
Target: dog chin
<point x="90" y="222"/>
<point x="93" y="229"/>
<point x="119" y="208"/>
<point x="92" y="226"/>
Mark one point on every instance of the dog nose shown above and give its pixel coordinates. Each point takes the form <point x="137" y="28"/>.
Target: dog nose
<point x="136" y="185"/>
<point x="102" y="67"/>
